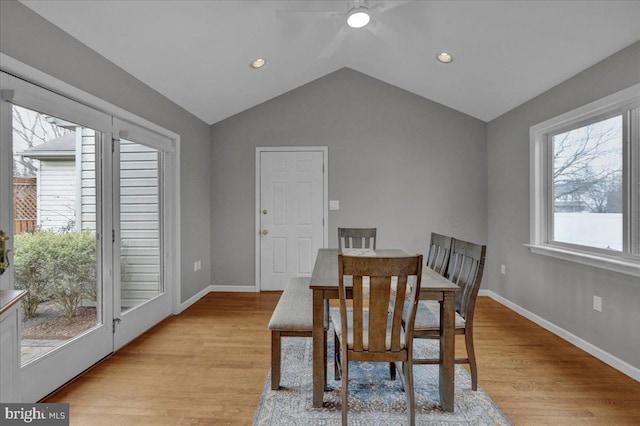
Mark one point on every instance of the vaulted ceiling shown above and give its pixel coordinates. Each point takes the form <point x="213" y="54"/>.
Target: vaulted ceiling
<point x="197" y="53"/>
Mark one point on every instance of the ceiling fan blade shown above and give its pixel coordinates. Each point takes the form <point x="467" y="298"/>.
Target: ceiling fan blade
<point x="385" y="34"/>
<point x="334" y="43"/>
<point x="308" y="13"/>
<point x="389" y="5"/>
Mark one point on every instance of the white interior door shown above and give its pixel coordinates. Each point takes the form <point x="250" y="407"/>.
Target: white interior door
<point x="292" y="208"/>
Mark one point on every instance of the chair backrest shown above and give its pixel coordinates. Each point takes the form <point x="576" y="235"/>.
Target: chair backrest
<point x="357" y="238"/>
<point x="439" y="250"/>
<point x="383" y="326"/>
<point x="466" y="266"/>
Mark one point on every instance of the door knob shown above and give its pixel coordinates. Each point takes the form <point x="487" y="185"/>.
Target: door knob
<point x="264" y="211"/>
<point x="265" y="232"/>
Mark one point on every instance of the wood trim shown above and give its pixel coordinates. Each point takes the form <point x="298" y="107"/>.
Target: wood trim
<point x="8" y="298"/>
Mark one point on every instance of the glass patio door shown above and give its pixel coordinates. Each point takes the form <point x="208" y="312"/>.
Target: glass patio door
<point x="52" y="188"/>
<point x="88" y="203"/>
<point x="141" y="299"/>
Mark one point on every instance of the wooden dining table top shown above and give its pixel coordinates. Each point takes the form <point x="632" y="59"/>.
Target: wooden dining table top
<point x="325" y="272"/>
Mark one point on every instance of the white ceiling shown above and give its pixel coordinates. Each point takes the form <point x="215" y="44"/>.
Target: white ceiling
<point x="197" y="53"/>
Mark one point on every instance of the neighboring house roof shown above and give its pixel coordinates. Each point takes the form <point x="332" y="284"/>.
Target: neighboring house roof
<point x="569" y="188"/>
<point x="61" y="148"/>
<point x="574" y="204"/>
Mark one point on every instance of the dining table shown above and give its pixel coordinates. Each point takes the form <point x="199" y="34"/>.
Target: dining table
<point x="324" y="285"/>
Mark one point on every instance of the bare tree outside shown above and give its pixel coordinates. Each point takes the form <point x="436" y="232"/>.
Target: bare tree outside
<point x="31" y="129"/>
<point x="587" y="179"/>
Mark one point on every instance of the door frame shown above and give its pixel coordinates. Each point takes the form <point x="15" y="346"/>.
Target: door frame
<point x="325" y="197"/>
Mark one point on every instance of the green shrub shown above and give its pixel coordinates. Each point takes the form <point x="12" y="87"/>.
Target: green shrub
<point x="32" y="262"/>
<point x="67" y="294"/>
<point x="59" y="267"/>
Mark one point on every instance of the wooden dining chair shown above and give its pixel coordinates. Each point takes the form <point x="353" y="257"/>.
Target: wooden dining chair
<point x="357" y="238"/>
<point x="377" y="327"/>
<point x="439" y="251"/>
<point x="465" y="268"/>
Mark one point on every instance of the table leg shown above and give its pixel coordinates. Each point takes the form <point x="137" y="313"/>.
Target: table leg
<point x="319" y="349"/>
<point x="324" y="341"/>
<point x="447" y="351"/>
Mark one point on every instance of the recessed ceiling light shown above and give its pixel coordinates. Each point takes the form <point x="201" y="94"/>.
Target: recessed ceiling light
<point x="444" y="57"/>
<point x="358" y="17"/>
<point x="258" y="63"/>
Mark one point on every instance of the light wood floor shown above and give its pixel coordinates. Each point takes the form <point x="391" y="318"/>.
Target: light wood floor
<point x="208" y="366"/>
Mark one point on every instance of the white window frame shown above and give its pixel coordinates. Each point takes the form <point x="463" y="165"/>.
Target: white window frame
<point x="541" y="187"/>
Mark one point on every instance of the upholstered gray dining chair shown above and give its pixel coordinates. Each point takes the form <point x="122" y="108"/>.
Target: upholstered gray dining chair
<point x="439" y="251"/>
<point x="465" y="268"/>
<point x="377" y="325"/>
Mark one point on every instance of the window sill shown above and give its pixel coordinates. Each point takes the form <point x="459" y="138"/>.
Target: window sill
<point x="623" y="266"/>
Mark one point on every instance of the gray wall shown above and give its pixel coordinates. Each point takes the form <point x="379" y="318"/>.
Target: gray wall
<point x="558" y="291"/>
<point x="399" y="162"/>
<point x="29" y="38"/>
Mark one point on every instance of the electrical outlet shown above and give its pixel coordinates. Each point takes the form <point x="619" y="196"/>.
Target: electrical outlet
<point x="503" y="269"/>
<point x="597" y="303"/>
<point x="334" y="205"/>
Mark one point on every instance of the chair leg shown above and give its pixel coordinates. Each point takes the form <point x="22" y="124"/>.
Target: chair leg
<point x="392" y="370"/>
<point x="345" y="386"/>
<point x="336" y="357"/>
<point x="275" y="359"/>
<point x="471" y="354"/>
<point x="324" y="357"/>
<point x="407" y="370"/>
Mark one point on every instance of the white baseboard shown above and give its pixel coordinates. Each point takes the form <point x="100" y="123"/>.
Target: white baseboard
<point x="234" y="288"/>
<point x="214" y="288"/>
<point x="193" y="299"/>
<point x="591" y="349"/>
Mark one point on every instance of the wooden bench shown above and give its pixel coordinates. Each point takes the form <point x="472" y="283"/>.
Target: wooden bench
<point x="292" y="317"/>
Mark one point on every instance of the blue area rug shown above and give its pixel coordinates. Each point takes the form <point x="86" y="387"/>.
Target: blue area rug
<point x="373" y="398"/>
